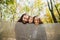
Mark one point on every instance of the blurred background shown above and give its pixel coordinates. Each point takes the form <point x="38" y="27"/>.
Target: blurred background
<point x="11" y="11"/>
<point x="47" y="10"/>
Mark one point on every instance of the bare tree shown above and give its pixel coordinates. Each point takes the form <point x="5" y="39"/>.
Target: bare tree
<point x="56" y="9"/>
<point x="51" y="10"/>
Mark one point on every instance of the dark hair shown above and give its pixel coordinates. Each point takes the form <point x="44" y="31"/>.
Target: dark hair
<point x="40" y="22"/>
<point x="20" y="20"/>
<point x="34" y="19"/>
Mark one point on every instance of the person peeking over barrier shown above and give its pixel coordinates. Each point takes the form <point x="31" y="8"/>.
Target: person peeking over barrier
<point x="30" y="19"/>
<point x="24" y="19"/>
<point x="36" y="20"/>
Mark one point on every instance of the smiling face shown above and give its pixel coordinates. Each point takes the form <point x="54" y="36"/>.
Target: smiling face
<point x="25" y="18"/>
<point x="30" y="19"/>
<point x="36" y="20"/>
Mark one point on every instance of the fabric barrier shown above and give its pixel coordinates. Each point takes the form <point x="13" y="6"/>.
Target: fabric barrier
<point x="20" y="31"/>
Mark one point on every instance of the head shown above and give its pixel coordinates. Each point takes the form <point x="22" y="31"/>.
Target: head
<point x="41" y="21"/>
<point x="30" y="19"/>
<point x="36" y="20"/>
<point x="24" y="18"/>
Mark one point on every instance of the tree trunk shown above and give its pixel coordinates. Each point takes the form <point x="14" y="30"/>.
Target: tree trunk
<point x="51" y="10"/>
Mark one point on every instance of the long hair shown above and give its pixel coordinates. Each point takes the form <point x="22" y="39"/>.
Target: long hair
<point x="40" y="22"/>
<point x="20" y="20"/>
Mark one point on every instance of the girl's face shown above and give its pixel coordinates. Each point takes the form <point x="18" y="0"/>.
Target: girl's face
<point x="36" y="20"/>
<point x="25" y="18"/>
<point x="30" y="19"/>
